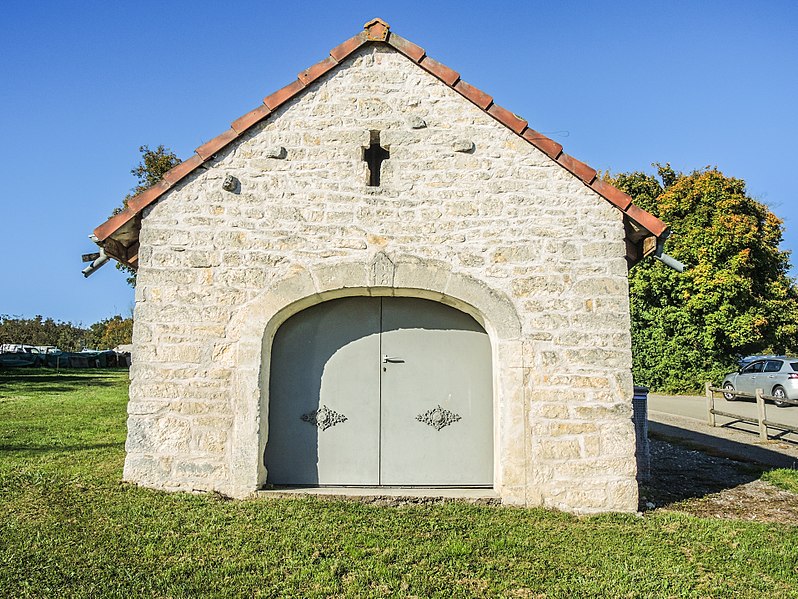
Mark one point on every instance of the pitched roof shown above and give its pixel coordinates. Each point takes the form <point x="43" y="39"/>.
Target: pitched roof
<point x="119" y="234"/>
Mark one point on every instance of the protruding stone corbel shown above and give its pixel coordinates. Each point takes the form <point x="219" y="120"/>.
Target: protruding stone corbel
<point x="465" y="146"/>
<point x="275" y="152"/>
<point x="230" y="183"/>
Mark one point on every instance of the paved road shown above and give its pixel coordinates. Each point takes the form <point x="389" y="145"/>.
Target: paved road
<point x="695" y="407"/>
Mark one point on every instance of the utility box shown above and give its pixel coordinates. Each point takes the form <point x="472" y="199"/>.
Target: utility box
<point x="640" y="418"/>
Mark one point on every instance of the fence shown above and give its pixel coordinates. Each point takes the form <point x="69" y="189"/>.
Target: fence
<point x="761" y="420"/>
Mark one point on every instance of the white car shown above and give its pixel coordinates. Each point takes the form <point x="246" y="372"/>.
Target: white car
<point x="775" y="375"/>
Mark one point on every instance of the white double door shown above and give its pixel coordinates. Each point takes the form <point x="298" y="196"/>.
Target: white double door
<point x="369" y="391"/>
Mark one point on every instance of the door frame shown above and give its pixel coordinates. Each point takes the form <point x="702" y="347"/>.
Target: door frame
<point x="249" y="336"/>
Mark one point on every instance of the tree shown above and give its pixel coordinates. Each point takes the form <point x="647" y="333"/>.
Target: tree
<point x="735" y="297"/>
<point x="105" y="334"/>
<point x="41" y="331"/>
<point x="110" y="333"/>
<point x="153" y="166"/>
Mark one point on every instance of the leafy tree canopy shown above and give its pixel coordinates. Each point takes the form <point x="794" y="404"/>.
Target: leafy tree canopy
<point x="153" y="166"/>
<point x="735" y="297"/>
<point x="67" y="336"/>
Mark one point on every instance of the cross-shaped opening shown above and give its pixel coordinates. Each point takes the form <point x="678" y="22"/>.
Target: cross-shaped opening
<point x="374" y="155"/>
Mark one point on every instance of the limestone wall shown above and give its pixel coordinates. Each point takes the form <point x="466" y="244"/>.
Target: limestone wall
<point x="500" y="231"/>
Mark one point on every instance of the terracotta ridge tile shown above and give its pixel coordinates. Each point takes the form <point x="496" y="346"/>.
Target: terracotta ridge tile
<point x="406" y="47"/>
<point x="312" y="73"/>
<point x="646" y="219"/>
<point x="283" y="94"/>
<point x="109" y="227"/>
<point x="341" y="51"/>
<point x="476" y="95"/>
<point x="613" y="195"/>
<point x="578" y="168"/>
<point x="440" y="70"/>
<point x="148" y="196"/>
<point x="209" y="148"/>
<point x="176" y="173"/>
<point x="546" y="145"/>
<point x="253" y="117"/>
<point x="512" y="120"/>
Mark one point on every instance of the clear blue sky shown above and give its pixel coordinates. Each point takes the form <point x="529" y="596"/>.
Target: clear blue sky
<point x="619" y="84"/>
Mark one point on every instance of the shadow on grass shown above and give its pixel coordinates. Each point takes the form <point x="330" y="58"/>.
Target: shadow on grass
<point x="687" y="464"/>
<point x="48" y="381"/>
<point x="58" y="448"/>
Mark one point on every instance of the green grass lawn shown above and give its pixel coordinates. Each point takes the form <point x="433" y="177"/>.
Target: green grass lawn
<point x="70" y="528"/>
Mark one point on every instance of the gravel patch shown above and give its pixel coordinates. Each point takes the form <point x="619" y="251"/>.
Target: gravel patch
<point x="687" y="480"/>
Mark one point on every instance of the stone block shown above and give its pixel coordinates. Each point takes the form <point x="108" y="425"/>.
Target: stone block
<point x="558" y="449"/>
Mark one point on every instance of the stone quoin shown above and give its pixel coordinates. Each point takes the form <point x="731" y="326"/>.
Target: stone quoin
<point x="374" y="181"/>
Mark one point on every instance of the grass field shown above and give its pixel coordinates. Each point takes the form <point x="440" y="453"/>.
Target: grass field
<point x="70" y="528"/>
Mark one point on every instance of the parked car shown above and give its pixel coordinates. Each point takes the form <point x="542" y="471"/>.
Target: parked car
<point x="777" y="376"/>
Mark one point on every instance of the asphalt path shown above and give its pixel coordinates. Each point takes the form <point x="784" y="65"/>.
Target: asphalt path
<point x="696" y="407"/>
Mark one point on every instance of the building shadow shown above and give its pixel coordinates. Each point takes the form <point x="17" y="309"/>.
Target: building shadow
<point x="687" y="464"/>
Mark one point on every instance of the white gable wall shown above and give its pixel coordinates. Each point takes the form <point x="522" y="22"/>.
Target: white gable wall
<point x="503" y="233"/>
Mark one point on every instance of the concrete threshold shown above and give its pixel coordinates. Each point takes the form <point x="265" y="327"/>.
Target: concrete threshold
<point x="389" y="495"/>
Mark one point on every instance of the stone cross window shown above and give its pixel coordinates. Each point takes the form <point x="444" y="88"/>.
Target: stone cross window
<point x="374" y="155"/>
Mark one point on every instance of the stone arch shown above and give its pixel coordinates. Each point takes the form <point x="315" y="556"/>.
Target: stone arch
<point x="250" y="334"/>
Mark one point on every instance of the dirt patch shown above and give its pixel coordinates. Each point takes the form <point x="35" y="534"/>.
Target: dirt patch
<point x="691" y="481"/>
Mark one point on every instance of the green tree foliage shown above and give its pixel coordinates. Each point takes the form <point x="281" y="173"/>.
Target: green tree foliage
<point x="153" y="166"/>
<point x="41" y="331"/>
<point x="111" y="332"/>
<point x="67" y="336"/>
<point x="735" y="297"/>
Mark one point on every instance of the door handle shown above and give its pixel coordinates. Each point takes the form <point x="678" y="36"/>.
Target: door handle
<point x="387" y="360"/>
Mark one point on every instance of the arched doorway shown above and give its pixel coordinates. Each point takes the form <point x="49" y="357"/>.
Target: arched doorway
<point x="380" y="391"/>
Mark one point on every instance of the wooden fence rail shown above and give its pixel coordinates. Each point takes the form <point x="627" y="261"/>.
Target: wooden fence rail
<point x="761" y="420"/>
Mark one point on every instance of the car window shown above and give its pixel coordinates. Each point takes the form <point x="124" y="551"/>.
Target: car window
<point x="794" y="366"/>
<point x="754" y="367"/>
<point x="773" y="365"/>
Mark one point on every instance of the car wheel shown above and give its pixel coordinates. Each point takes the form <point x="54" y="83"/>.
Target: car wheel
<point x="729" y="396"/>
<point x="779" y="394"/>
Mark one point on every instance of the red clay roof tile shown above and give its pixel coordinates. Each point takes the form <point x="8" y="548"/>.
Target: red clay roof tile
<point x="209" y="148"/>
<point x="578" y="168"/>
<point x="283" y="94"/>
<point x="406" y="47"/>
<point x="647" y="220"/>
<point x="251" y="118"/>
<point x="504" y="116"/>
<point x="378" y="31"/>
<point x="548" y="146"/>
<point x="615" y="196"/>
<point x="341" y="51"/>
<point x="148" y="196"/>
<point x="310" y="74"/>
<point x="176" y="173"/>
<point x="109" y="227"/>
<point x="477" y="96"/>
<point x="441" y="71"/>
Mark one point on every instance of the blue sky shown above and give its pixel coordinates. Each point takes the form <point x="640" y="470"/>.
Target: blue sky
<point x="619" y="84"/>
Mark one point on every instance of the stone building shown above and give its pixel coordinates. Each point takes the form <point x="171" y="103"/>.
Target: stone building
<point x="381" y="277"/>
